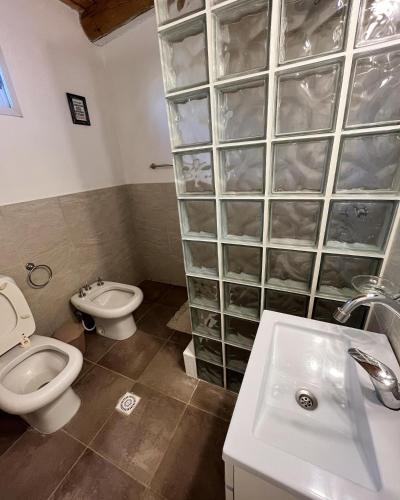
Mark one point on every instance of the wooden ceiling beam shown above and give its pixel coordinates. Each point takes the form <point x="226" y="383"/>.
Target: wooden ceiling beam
<point x="79" y="5"/>
<point x="104" y="16"/>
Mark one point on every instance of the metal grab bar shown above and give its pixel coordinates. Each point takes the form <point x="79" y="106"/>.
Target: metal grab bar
<point x="161" y="165"/>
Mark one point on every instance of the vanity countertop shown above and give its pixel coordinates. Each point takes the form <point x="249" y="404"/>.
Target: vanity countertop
<point x="348" y="448"/>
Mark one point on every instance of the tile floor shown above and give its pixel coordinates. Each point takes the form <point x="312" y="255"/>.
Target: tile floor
<point x="168" y="448"/>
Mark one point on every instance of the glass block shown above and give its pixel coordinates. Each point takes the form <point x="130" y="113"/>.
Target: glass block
<point x="168" y="10"/>
<point x="379" y="21"/>
<point x="210" y="373"/>
<point x="242" y="300"/>
<point x="201" y="257"/>
<point x="300" y="166"/>
<point x="294" y="222"/>
<point x="369" y="163"/>
<point x="324" y="309"/>
<point x="374" y="90"/>
<point x="310" y="28"/>
<point x="242" y="220"/>
<point x="190" y="119"/>
<point x="242" y="170"/>
<point x="285" y="302"/>
<point x="206" y="322"/>
<point x="361" y="225"/>
<point x="184" y="55"/>
<point x="199" y="218"/>
<point x="242" y="38"/>
<point x="233" y="380"/>
<point x="242" y="111"/>
<point x="207" y="349"/>
<point x="337" y="271"/>
<point x="242" y="263"/>
<point x="236" y="358"/>
<point x="240" y="331"/>
<point x="203" y="292"/>
<point x="194" y="172"/>
<point x="289" y="269"/>
<point x="307" y="100"/>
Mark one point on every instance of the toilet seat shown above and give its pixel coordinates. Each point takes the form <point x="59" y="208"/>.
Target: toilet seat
<point x="17" y="318"/>
<point x="13" y="402"/>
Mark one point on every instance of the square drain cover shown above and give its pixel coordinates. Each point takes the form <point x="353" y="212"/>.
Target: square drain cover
<point x="127" y="403"/>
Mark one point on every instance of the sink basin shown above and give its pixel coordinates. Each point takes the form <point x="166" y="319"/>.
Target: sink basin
<point x="320" y="364"/>
<point x="344" y="447"/>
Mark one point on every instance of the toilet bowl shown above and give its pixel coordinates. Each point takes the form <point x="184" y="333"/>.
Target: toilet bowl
<point x="36" y="372"/>
<point x="111" y="305"/>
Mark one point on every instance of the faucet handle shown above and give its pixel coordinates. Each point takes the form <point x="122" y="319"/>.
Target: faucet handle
<point x="375" y="368"/>
<point x="382" y="377"/>
<point x="81" y="293"/>
<point x="87" y="286"/>
<point x="100" y="282"/>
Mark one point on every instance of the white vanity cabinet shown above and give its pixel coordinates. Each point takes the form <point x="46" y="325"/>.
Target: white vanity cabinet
<point x="242" y="485"/>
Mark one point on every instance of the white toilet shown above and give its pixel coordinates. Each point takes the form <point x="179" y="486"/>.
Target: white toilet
<point x="111" y="305"/>
<point x="36" y="372"/>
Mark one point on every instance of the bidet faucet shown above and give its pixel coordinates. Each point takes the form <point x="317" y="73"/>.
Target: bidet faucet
<point x="87" y="286"/>
<point x="81" y="293"/>
<point x="342" y="314"/>
<point x="382" y="377"/>
<point x="100" y="282"/>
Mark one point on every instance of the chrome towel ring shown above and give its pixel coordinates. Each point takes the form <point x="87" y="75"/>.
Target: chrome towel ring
<point x="43" y="274"/>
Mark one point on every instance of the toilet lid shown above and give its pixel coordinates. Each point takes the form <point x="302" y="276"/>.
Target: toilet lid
<point x="16" y="320"/>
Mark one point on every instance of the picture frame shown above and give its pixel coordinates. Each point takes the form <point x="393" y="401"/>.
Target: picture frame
<point x="78" y="108"/>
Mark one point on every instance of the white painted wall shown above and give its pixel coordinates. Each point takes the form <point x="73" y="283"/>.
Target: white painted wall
<point x="43" y="154"/>
<point x="133" y="63"/>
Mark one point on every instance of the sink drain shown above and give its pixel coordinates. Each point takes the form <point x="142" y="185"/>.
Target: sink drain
<point x="306" y="399"/>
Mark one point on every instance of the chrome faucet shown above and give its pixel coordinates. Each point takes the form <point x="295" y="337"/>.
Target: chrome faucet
<point x="87" y="287"/>
<point x="100" y="281"/>
<point x="382" y="377"/>
<point x="81" y="293"/>
<point x="342" y="314"/>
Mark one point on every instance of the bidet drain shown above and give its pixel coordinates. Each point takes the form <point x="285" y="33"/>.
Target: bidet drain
<point x="306" y="399"/>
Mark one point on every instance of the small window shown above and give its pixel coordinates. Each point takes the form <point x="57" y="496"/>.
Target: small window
<point x="8" y="99"/>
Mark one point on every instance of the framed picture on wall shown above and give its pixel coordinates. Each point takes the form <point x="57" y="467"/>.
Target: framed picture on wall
<point x="78" y="108"/>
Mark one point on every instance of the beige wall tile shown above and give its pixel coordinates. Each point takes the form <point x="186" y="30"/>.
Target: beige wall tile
<point x="34" y="227"/>
<point x="383" y="320"/>
<point x="125" y="234"/>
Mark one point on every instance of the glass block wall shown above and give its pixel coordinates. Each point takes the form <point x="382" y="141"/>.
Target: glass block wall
<point x="285" y="129"/>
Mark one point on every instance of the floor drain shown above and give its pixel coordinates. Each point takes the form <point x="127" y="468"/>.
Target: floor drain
<point x="306" y="399"/>
<point x="127" y="403"/>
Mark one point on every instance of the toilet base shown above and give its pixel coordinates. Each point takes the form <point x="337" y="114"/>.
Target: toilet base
<point x="116" y="328"/>
<point x="56" y="414"/>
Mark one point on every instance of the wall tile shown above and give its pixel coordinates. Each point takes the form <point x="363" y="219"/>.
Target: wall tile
<point x="124" y="233"/>
<point x="383" y="320"/>
<point x="8" y="257"/>
<point x="34" y="227"/>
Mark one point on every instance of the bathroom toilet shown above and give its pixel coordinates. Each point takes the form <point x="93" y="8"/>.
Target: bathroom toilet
<point x="111" y="305"/>
<point x="36" y="372"/>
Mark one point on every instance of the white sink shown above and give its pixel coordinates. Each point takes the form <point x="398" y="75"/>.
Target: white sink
<point x="348" y="447"/>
